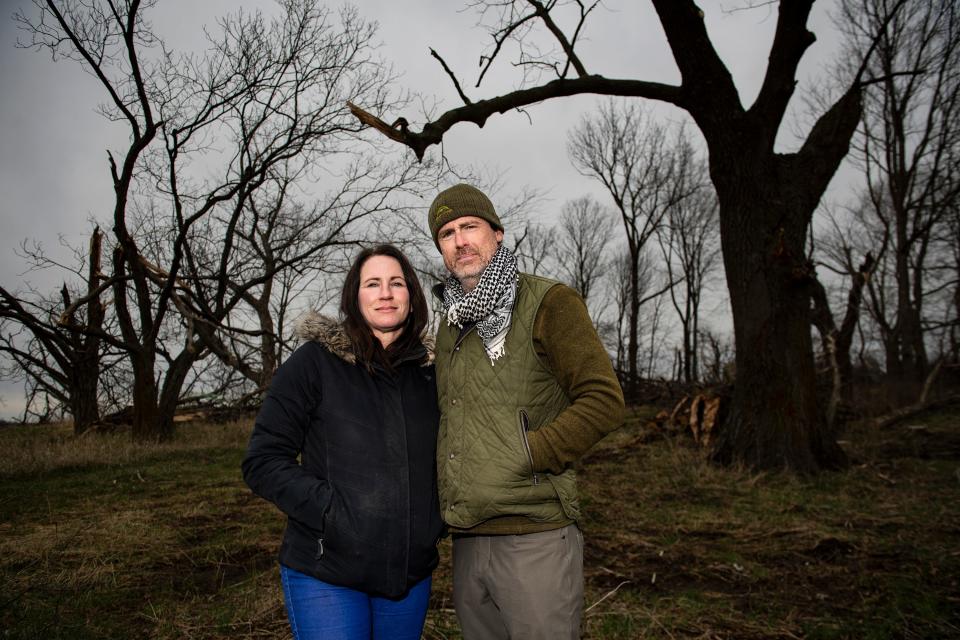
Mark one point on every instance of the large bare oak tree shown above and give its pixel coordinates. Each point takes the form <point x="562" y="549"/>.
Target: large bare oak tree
<point x="766" y="198"/>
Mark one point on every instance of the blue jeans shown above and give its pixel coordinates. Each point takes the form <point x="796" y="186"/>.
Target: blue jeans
<point x="321" y="611"/>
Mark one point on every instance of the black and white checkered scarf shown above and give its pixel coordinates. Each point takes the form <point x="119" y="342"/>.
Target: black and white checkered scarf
<point x="489" y="304"/>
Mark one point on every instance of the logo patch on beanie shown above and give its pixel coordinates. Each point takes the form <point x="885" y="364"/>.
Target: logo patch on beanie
<point x="442" y="209"/>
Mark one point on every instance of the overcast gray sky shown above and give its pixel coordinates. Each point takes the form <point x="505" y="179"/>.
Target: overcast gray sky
<point x="53" y="165"/>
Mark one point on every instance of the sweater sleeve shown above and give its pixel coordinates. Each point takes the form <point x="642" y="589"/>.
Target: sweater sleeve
<point x="271" y="468"/>
<point x="566" y="340"/>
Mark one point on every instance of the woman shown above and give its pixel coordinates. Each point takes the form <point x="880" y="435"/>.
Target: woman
<point x="357" y="404"/>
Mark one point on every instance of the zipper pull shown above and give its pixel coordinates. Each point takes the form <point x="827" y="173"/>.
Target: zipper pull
<point x="319" y="549"/>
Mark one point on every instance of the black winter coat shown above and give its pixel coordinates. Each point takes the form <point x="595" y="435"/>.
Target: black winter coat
<point x="361" y="505"/>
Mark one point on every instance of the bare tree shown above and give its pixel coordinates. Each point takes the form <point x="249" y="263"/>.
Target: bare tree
<point x="691" y="250"/>
<point x="583" y="234"/>
<point x="851" y="234"/>
<point x="265" y="91"/>
<point x="717" y="358"/>
<point x="837" y="340"/>
<point x="766" y="199"/>
<point x="656" y="333"/>
<point x="240" y="291"/>
<point x="907" y="148"/>
<point x="535" y="248"/>
<point x="635" y="161"/>
<point x="616" y="330"/>
<point x="59" y="359"/>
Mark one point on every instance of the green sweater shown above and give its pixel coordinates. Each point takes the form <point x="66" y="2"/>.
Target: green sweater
<point x="564" y="338"/>
<point x="562" y="359"/>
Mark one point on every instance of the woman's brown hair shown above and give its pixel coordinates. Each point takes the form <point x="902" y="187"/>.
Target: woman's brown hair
<point x="366" y="346"/>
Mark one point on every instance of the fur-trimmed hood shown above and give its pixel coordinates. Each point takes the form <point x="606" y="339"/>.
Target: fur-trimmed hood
<point x="329" y="332"/>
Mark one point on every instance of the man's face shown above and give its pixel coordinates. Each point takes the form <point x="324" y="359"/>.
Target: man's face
<point x="468" y="245"/>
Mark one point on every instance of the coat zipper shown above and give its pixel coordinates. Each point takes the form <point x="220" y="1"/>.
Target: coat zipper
<point x="319" y="549"/>
<point x="524" y="424"/>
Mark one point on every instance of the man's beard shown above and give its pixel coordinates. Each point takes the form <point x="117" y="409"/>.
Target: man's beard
<point x="472" y="271"/>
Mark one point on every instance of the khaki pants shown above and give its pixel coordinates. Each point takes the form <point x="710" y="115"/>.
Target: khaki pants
<point x="519" y="587"/>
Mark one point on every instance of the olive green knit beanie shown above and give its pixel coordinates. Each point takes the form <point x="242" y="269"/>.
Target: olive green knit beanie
<point x="458" y="201"/>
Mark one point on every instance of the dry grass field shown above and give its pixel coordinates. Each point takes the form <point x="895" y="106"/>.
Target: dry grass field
<point x="102" y="539"/>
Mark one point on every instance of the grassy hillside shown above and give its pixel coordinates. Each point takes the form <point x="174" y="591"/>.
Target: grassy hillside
<point x="100" y="539"/>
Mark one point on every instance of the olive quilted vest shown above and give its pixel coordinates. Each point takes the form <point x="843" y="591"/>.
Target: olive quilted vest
<point x="484" y="464"/>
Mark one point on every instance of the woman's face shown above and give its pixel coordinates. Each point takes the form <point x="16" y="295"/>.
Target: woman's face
<point x="384" y="299"/>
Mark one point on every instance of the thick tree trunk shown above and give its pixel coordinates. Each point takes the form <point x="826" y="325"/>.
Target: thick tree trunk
<point x="268" y="342"/>
<point x="83" y="397"/>
<point x="83" y="404"/>
<point x="837" y="341"/>
<point x="849" y="324"/>
<point x="82" y="345"/>
<point x="86" y="409"/>
<point x="891" y="352"/>
<point x="82" y="367"/>
<point x="173" y="381"/>
<point x="775" y="421"/>
<point x="914" y="351"/>
<point x="153" y="411"/>
<point x="901" y="383"/>
<point x="147" y="426"/>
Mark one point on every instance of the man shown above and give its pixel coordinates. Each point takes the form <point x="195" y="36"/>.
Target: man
<point x="525" y="389"/>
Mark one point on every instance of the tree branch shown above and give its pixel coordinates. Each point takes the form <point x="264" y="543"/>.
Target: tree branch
<point x="791" y="40"/>
<point x="456" y="84"/>
<point x="828" y="143"/>
<point x="701" y="69"/>
<point x="544" y="14"/>
<point x="499" y="39"/>
<point x="478" y="112"/>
